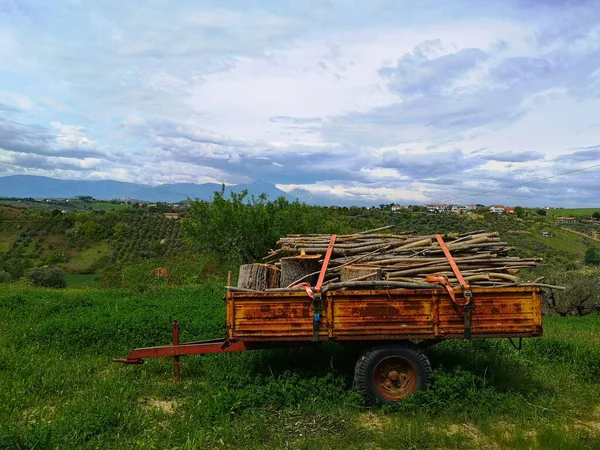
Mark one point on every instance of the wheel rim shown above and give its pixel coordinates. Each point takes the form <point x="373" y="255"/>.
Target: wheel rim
<point x="395" y="378"/>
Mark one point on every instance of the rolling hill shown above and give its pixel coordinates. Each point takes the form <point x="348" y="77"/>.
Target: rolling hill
<point x="23" y="186"/>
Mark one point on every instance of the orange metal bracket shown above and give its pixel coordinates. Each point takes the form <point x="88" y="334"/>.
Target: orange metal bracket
<point x="467" y="294"/>
<point x="310" y="290"/>
<point x="325" y="263"/>
<point x="443" y="280"/>
<point x="316" y="291"/>
<point x="450" y="259"/>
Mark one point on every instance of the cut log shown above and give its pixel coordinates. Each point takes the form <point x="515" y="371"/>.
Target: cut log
<point x="297" y="267"/>
<point x="258" y="277"/>
<point x="356" y="273"/>
<point x="363" y="259"/>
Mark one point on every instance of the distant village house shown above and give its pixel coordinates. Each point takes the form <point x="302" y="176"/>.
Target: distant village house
<point x="458" y="209"/>
<point x="436" y="207"/>
<point x="172" y="216"/>
<point x="567" y="221"/>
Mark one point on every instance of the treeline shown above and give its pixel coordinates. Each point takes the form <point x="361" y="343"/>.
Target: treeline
<point x="242" y="229"/>
<point x="219" y="235"/>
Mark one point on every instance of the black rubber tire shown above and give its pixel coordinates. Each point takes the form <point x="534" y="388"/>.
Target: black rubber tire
<point x="367" y="362"/>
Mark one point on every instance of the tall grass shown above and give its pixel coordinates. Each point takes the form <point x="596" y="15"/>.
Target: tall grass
<point x="59" y="389"/>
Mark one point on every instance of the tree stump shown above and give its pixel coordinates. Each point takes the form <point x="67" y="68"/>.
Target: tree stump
<point x="359" y="273"/>
<point x="258" y="277"/>
<point x="297" y="267"/>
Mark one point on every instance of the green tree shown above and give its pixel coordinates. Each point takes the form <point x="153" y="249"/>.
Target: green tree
<point x="4" y="276"/>
<point x="51" y="277"/>
<point x="519" y="212"/>
<point x="592" y="256"/>
<point x="243" y="229"/>
<point x="581" y="295"/>
<point x="15" y="266"/>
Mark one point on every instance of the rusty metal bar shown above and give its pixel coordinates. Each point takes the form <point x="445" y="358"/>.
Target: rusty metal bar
<point x="176" y="362"/>
<point x="325" y="263"/>
<point x="196" y="348"/>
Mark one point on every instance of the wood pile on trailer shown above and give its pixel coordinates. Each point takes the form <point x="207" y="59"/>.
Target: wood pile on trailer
<point x="379" y="258"/>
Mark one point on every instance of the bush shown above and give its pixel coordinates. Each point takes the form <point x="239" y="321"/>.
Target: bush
<point x="51" y="277"/>
<point x="4" y="276"/>
<point x="243" y="229"/>
<point x="581" y="296"/>
<point x="592" y="256"/>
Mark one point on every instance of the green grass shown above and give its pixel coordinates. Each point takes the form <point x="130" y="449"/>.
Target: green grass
<point x="82" y="281"/>
<point x="563" y="246"/>
<point x="7" y="238"/>
<point x="106" y="206"/>
<point x="83" y="261"/>
<point x="578" y="212"/>
<point x="59" y="389"/>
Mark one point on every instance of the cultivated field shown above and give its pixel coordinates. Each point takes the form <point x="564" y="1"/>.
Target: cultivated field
<point x="578" y="212"/>
<point x="58" y="388"/>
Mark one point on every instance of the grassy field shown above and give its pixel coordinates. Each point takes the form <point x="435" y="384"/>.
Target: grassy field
<point x="6" y="239"/>
<point x="106" y="206"/>
<point x="578" y="212"/>
<point x="83" y="260"/>
<point x="82" y="281"/>
<point x="562" y="246"/>
<point x="58" y="388"/>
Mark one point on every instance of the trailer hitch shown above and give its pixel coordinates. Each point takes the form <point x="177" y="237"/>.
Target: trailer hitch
<point x="128" y="361"/>
<point x="176" y="350"/>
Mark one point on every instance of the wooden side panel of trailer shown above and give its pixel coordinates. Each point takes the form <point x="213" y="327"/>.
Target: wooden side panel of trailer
<point x="383" y="314"/>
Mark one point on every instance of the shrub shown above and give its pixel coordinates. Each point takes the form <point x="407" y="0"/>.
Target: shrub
<point x="52" y="277"/>
<point x="581" y="296"/>
<point x="243" y="228"/>
<point x="592" y="256"/>
<point x="4" y="276"/>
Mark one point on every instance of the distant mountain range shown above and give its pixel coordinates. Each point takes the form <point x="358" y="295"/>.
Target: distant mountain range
<point x="23" y="186"/>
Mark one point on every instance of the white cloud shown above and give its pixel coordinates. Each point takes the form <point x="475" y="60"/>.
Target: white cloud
<point x="379" y="173"/>
<point x="21" y="101"/>
<point x="365" y="103"/>
<point x="359" y="193"/>
<point x="72" y="136"/>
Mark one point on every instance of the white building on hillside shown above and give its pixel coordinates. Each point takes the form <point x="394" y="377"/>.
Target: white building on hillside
<point x="437" y="207"/>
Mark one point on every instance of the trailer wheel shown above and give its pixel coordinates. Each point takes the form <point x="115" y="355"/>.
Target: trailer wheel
<point x="390" y="373"/>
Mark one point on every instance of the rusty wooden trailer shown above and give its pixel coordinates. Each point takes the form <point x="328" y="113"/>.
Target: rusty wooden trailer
<point x="393" y="327"/>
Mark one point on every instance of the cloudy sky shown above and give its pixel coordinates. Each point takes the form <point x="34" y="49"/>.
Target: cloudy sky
<point x="377" y="101"/>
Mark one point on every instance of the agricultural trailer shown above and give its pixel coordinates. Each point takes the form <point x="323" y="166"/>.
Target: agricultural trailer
<point x="391" y="326"/>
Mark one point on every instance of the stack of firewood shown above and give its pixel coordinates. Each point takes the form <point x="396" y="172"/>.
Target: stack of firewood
<point x="377" y="258"/>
